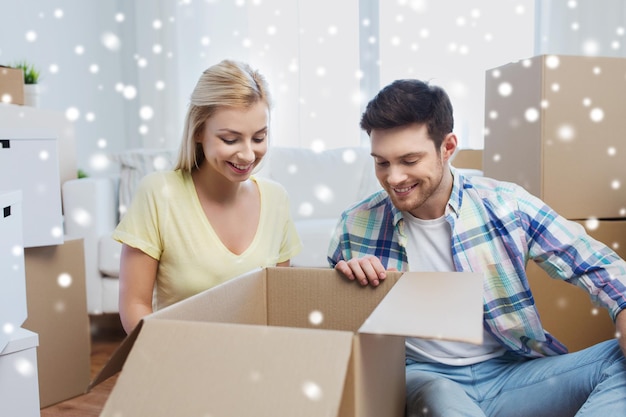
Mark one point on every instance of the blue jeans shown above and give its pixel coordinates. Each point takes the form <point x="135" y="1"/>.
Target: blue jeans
<point x="590" y="382"/>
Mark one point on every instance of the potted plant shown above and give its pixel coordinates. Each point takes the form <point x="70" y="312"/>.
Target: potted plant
<point x="31" y="80"/>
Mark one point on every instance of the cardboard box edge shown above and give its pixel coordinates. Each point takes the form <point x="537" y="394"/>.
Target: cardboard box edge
<point x="117" y="360"/>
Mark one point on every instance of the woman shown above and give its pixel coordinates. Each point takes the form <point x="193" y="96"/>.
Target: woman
<point x="209" y="219"/>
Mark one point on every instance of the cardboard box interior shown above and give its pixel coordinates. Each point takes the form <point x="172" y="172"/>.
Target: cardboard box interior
<point x="291" y="341"/>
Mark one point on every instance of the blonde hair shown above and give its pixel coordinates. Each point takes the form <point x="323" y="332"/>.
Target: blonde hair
<point x="226" y="84"/>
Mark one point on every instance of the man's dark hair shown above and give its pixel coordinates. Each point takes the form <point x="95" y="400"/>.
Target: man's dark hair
<point x="410" y="101"/>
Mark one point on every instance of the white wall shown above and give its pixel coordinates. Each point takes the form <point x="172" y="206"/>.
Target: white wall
<point x="150" y="53"/>
<point x="451" y="44"/>
<point x="64" y="39"/>
<point x="582" y="27"/>
<point x="128" y="66"/>
<point x="308" y="54"/>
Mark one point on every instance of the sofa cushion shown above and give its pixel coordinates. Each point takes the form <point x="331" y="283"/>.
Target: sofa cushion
<point x="315" y="235"/>
<point x="135" y="164"/>
<point x="321" y="184"/>
<point x="109" y="252"/>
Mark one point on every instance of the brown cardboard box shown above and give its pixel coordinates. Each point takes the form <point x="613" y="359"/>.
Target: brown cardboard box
<point x="289" y="342"/>
<point x="468" y="159"/>
<point x="11" y="85"/>
<point x="57" y="311"/>
<point x="566" y="310"/>
<point x="555" y="125"/>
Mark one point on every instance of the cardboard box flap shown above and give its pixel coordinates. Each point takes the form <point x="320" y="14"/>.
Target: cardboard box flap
<point x="117" y="360"/>
<point x="239" y="300"/>
<point x="266" y="371"/>
<point x="432" y="305"/>
<point x="320" y="298"/>
<point x="20" y="339"/>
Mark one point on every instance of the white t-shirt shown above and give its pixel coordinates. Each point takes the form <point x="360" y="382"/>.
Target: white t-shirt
<point x="429" y="249"/>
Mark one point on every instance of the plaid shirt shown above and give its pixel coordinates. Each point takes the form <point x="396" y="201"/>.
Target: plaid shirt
<point x="496" y="228"/>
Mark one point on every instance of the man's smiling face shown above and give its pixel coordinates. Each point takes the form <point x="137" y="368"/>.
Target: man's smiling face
<point x="412" y="171"/>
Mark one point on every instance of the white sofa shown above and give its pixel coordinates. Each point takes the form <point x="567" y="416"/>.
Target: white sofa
<point x="320" y="186"/>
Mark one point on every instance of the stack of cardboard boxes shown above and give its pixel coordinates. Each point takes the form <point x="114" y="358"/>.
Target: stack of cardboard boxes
<point x="52" y="305"/>
<point x="555" y="125"/>
<point x="19" y="393"/>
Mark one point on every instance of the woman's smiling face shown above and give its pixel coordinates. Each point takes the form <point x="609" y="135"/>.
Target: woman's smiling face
<point x="234" y="140"/>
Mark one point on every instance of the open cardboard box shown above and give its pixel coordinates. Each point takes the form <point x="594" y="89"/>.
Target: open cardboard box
<point x="289" y="341"/>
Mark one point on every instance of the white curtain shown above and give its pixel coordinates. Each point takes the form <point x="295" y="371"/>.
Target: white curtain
<point x="452" y="44"/>
<point x="582" y="27"/>
<point x="308" y="50"/>
<point x="324" y="62"/>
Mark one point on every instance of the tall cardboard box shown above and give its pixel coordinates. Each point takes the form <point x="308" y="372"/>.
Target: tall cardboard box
<point x="284" y="342"/>
<point x="57" y="311"/>
<point x="555" y="124"/>
<point x="11" y="85"/>
<point x="468" y="159"/>
<point x="566" y="310"/>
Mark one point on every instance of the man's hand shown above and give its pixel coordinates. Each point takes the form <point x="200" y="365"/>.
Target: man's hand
<point x="367" y="270"/>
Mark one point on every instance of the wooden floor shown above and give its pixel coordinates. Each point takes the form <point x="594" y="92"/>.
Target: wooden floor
<point x="106" y="336"/>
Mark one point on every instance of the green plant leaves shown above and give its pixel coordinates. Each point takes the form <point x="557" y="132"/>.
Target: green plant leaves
<point x="31" y="74"/>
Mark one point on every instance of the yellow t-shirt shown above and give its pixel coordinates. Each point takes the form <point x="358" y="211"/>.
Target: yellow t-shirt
<point x="165" y="220"/>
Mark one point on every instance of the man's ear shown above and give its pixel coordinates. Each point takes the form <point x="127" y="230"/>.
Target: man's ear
<point x="448" y="146"/>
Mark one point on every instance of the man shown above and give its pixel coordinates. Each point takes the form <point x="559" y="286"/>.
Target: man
<point x="430" y="217"/>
